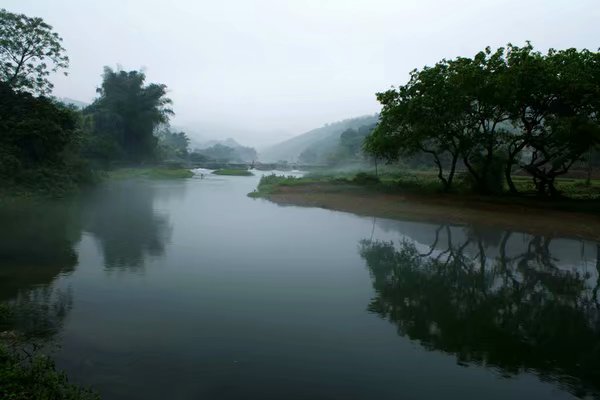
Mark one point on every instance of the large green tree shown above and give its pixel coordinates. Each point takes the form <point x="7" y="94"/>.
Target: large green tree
<point x="500" y="110"/>
<point x="29" y="51"/>
<point x="559" y="123"/>
<point x="126" y="115"/>
<point x="424" y="116"/>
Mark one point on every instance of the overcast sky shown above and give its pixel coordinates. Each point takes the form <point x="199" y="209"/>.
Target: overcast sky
<point x="262" y="71"/>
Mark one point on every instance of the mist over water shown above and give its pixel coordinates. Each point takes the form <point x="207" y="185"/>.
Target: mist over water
<point x="190" y="289"/>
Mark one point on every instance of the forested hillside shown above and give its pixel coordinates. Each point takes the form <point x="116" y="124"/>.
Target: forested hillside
<point x="322" y="140"/>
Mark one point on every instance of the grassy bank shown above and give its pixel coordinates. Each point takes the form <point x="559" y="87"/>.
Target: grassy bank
<point x="418" y="197"/>
<point x="233" y="172"/>
<point x="150" y="173"/>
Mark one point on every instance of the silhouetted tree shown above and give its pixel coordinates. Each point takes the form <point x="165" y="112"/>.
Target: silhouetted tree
<point x="126" y="114"/>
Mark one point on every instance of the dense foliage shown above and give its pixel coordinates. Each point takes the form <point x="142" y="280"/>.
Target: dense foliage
<point x="512" y="109"/>
<point x="123" y="120"/>
<point x="39" y="144"/>
<point x="35" y="377"/>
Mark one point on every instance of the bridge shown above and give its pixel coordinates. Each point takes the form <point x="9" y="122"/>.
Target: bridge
<point x="256" y="165"/>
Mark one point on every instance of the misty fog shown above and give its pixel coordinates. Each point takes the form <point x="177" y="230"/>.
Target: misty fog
<point x="264" y="71"/>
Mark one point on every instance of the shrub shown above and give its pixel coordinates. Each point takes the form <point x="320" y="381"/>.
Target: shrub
<point x="363" y="178"/>
<point x="24" y="377"/>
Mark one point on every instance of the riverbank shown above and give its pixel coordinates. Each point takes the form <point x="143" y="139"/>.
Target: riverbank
<point x="561" y="217"/>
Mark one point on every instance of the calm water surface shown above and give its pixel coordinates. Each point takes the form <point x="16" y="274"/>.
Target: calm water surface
<point x="191" y="290"/>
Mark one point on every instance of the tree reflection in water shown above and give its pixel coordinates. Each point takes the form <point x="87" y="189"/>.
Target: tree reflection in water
<point x="37" y="242"/>
<point x="122" y="218"/>
<point x="515" y="311"/>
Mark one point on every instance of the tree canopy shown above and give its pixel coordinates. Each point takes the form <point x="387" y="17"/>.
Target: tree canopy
<point x="29" y="51"/>
<point x="511" y="107"/>
<point x="125" y="116"/>
<point x="39" y="140"/>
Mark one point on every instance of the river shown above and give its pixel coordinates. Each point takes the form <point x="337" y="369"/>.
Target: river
<point x="191" y="290"/>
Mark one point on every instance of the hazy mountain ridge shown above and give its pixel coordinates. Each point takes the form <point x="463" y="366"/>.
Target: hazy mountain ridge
<point x="73" y="102"/>
<point x="229" y="142"/>
<point x="324" y="139"/>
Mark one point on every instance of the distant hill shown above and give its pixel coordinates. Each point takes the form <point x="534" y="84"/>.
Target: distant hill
<point x="323" y="140"/>
<point x="214" y="150"/>
<point x="229" y="142"/>
<point x="73" y="102"/>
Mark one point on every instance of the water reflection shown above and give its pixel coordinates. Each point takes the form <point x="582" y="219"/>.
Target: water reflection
<point x="123" y="219"/>
<point x="501" y="300"/>
<point x="36" y="245"/>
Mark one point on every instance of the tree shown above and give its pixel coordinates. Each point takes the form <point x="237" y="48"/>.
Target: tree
<point x="481" y="84"/>
<point x="39" y="144"/>
<point x="422" y="116"/>
<point x="128" y="112"/>
<point x="500" y="109"/>
<point x="570" y="126"/>
<point x="29" y="51"/>
<point x="173" y="144"/>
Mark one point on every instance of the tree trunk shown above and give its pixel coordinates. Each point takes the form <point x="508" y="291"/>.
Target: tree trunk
<point x="595" y="291"/>
<point x="588" y="180"/>
<point x="452" y="170"/>
<point x="476" y="177"/>
<point x="512" y="154"/>
<point x="508" y="176"/>
<point x="440" y="171"/>
<point x="552" y="191"/>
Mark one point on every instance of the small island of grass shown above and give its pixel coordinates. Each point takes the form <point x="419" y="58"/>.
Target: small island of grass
<point x="233" y="172"/>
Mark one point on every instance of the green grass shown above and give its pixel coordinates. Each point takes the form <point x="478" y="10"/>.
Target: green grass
<point x="233" y="172"/>
<point x="150" y="173"/>
<point x="268" y="184"/>
<point x="569" y="187"/>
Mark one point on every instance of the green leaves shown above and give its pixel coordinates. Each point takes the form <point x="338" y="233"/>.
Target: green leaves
<point x="513" y="104"/>
<point x="29" y="52"/>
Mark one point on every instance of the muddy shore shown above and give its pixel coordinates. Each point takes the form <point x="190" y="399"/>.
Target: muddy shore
<point x="453" y="209"/>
